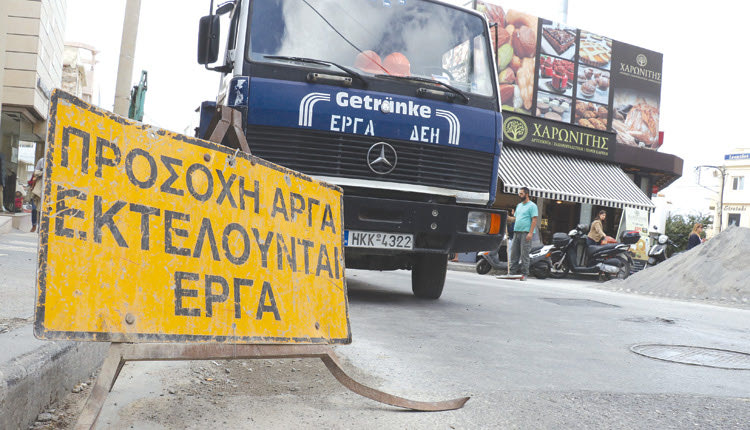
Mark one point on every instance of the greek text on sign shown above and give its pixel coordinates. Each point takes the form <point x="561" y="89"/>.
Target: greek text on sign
<point x="148" y="235"/>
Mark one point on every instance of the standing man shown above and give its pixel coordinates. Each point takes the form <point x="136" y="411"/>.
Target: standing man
<point x="523" y="230"/>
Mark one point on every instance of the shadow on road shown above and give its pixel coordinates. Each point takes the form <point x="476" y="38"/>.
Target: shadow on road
<point x="365" y="292"/>
<point x="377" y="293"/>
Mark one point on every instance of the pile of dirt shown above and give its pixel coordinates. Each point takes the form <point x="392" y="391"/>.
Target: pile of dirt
<point x="717" y="270"/>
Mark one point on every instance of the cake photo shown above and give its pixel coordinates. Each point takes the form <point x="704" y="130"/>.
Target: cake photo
<point x="556" y="75"/>
<point x="595" y="50"/>
<point x="558" y="40"/>
<point x="593" y="84"/>
<point x="554" y="107"/>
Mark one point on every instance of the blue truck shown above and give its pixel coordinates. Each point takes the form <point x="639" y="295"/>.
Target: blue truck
<point x="395" y="101"/>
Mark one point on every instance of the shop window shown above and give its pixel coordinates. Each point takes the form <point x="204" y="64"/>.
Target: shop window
<point x="738" y="183"/>
<point x="18" y="152"/>
<point x="733" y="219"/>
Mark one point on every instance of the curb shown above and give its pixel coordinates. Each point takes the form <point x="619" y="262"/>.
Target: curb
<point x="6" y="224"/>
<point x="461" y="267"/>
<point x="32" y="381"/>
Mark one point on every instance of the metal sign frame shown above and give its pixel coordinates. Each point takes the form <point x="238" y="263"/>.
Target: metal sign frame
<point x="119" y="353"/>
<point x="212" y="347"/>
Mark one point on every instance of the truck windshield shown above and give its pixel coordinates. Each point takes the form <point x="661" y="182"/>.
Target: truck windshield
<point x="395" y="37"/>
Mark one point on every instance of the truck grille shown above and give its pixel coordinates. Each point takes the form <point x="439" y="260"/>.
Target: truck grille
<point x="327" y="154"/>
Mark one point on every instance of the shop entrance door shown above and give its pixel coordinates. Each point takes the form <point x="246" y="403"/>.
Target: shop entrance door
<point x="558" y="216"/>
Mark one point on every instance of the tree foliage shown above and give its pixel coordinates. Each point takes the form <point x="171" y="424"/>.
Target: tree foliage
<point x="678" y="227"/>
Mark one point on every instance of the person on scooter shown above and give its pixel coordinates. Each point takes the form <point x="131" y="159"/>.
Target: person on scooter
<point x="523" y="231"/>
<point x="596" y="232"/>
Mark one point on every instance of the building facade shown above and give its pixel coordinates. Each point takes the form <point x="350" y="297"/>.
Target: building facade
<point x="31" y="48"/>
<point x="79" y="61"/>
<point x="580" y="124"/>
<point x="735" y="209"/>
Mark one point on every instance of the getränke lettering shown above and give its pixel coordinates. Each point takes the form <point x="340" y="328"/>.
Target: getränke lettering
<point x="190" y="236"/>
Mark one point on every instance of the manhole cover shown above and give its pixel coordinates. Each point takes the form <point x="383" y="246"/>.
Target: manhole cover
<point x="579" y="302"/>
<point x="696" y="355"/>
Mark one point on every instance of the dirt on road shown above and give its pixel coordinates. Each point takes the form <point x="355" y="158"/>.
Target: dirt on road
<point x="716" y="271"/>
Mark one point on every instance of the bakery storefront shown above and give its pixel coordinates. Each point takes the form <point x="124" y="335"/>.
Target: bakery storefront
<point x="581" y="123"/>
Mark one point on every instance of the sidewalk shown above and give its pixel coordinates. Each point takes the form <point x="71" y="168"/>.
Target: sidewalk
<point x="33" y="373"/>
<point x="472" y="267"/>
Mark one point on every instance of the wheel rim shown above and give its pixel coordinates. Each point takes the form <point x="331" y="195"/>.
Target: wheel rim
<point x="559" y="269"/>
<point x="623" y="272"/>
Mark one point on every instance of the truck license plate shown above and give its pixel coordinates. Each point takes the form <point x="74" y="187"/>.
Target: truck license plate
<point x="373" y="239"/>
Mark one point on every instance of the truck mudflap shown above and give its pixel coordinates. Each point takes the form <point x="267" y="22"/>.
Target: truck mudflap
<point x="436" y="228"/>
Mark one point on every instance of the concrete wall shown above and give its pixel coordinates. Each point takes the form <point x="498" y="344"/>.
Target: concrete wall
<point x="31" y="382"/>
<point x="3" y="43"/>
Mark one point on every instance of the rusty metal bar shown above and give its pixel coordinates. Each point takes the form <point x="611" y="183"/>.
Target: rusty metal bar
<point x="333" y="365"/>
<point x="119" y="353"/>
<point x="107" y="376"/>
<point x="228" y="122"/>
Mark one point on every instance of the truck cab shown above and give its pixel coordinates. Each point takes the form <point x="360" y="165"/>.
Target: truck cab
<point x="395" y="101"/>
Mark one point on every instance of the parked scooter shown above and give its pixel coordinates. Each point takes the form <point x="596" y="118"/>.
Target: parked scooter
<point x="659" y="252"/>
<point x="609" y="261"/>
<point x="540" y="263"/>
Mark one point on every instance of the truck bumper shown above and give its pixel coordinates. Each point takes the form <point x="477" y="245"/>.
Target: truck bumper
<point x="437" y="228"/>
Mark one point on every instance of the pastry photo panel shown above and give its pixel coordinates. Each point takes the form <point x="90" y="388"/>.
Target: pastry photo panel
<point x="636" y="74"/>
<point x="516" y="40"/>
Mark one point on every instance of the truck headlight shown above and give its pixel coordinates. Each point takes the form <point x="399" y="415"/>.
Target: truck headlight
<point x="483" y="222"/>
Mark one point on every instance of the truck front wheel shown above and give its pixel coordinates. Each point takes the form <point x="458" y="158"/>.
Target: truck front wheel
<point x="428" y="275"/>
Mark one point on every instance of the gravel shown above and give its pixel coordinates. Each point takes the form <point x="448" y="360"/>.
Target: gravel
<point x="715" y="271"/>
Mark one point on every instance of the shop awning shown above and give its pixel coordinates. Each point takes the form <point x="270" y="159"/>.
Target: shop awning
<point x="561" y="177"/>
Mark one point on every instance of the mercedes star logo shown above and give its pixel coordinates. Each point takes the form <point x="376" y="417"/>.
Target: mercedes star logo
<point x="382" y="158"/>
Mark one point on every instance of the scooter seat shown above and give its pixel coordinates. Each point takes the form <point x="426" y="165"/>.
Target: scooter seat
<point x="536" y="248"/>
<point x="596" y="248"/>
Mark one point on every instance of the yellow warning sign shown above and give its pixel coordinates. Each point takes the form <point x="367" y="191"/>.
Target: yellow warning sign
<point x="152" y="236"/>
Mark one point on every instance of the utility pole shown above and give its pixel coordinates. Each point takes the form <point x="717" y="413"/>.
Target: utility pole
<point x="127" y="53"/>
<point x="723" y="172"/>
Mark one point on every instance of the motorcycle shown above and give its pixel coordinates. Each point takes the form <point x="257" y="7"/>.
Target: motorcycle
<point x="608" y="261"/>
<point x="659" y="252"/>
<point x="540" y="262"/>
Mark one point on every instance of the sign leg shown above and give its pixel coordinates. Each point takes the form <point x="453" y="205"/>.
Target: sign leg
<point x="332" y="363"/>
<point x="107" y="376"/>
<point x="119" y="353"/>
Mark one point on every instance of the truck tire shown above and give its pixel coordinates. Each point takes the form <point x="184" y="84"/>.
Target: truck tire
<point x="428" y="275"/>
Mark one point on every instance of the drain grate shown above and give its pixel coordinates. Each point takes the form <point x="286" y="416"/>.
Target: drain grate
<point x="578" y="302"/>
<point x="695" y="355"/>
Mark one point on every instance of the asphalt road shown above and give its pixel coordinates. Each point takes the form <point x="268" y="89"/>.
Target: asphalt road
<point x="532" y="355"/>
<point x="17" y="278"/>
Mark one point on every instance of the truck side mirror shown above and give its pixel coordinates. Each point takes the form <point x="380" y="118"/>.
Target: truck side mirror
<point x="208" y="39"/>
